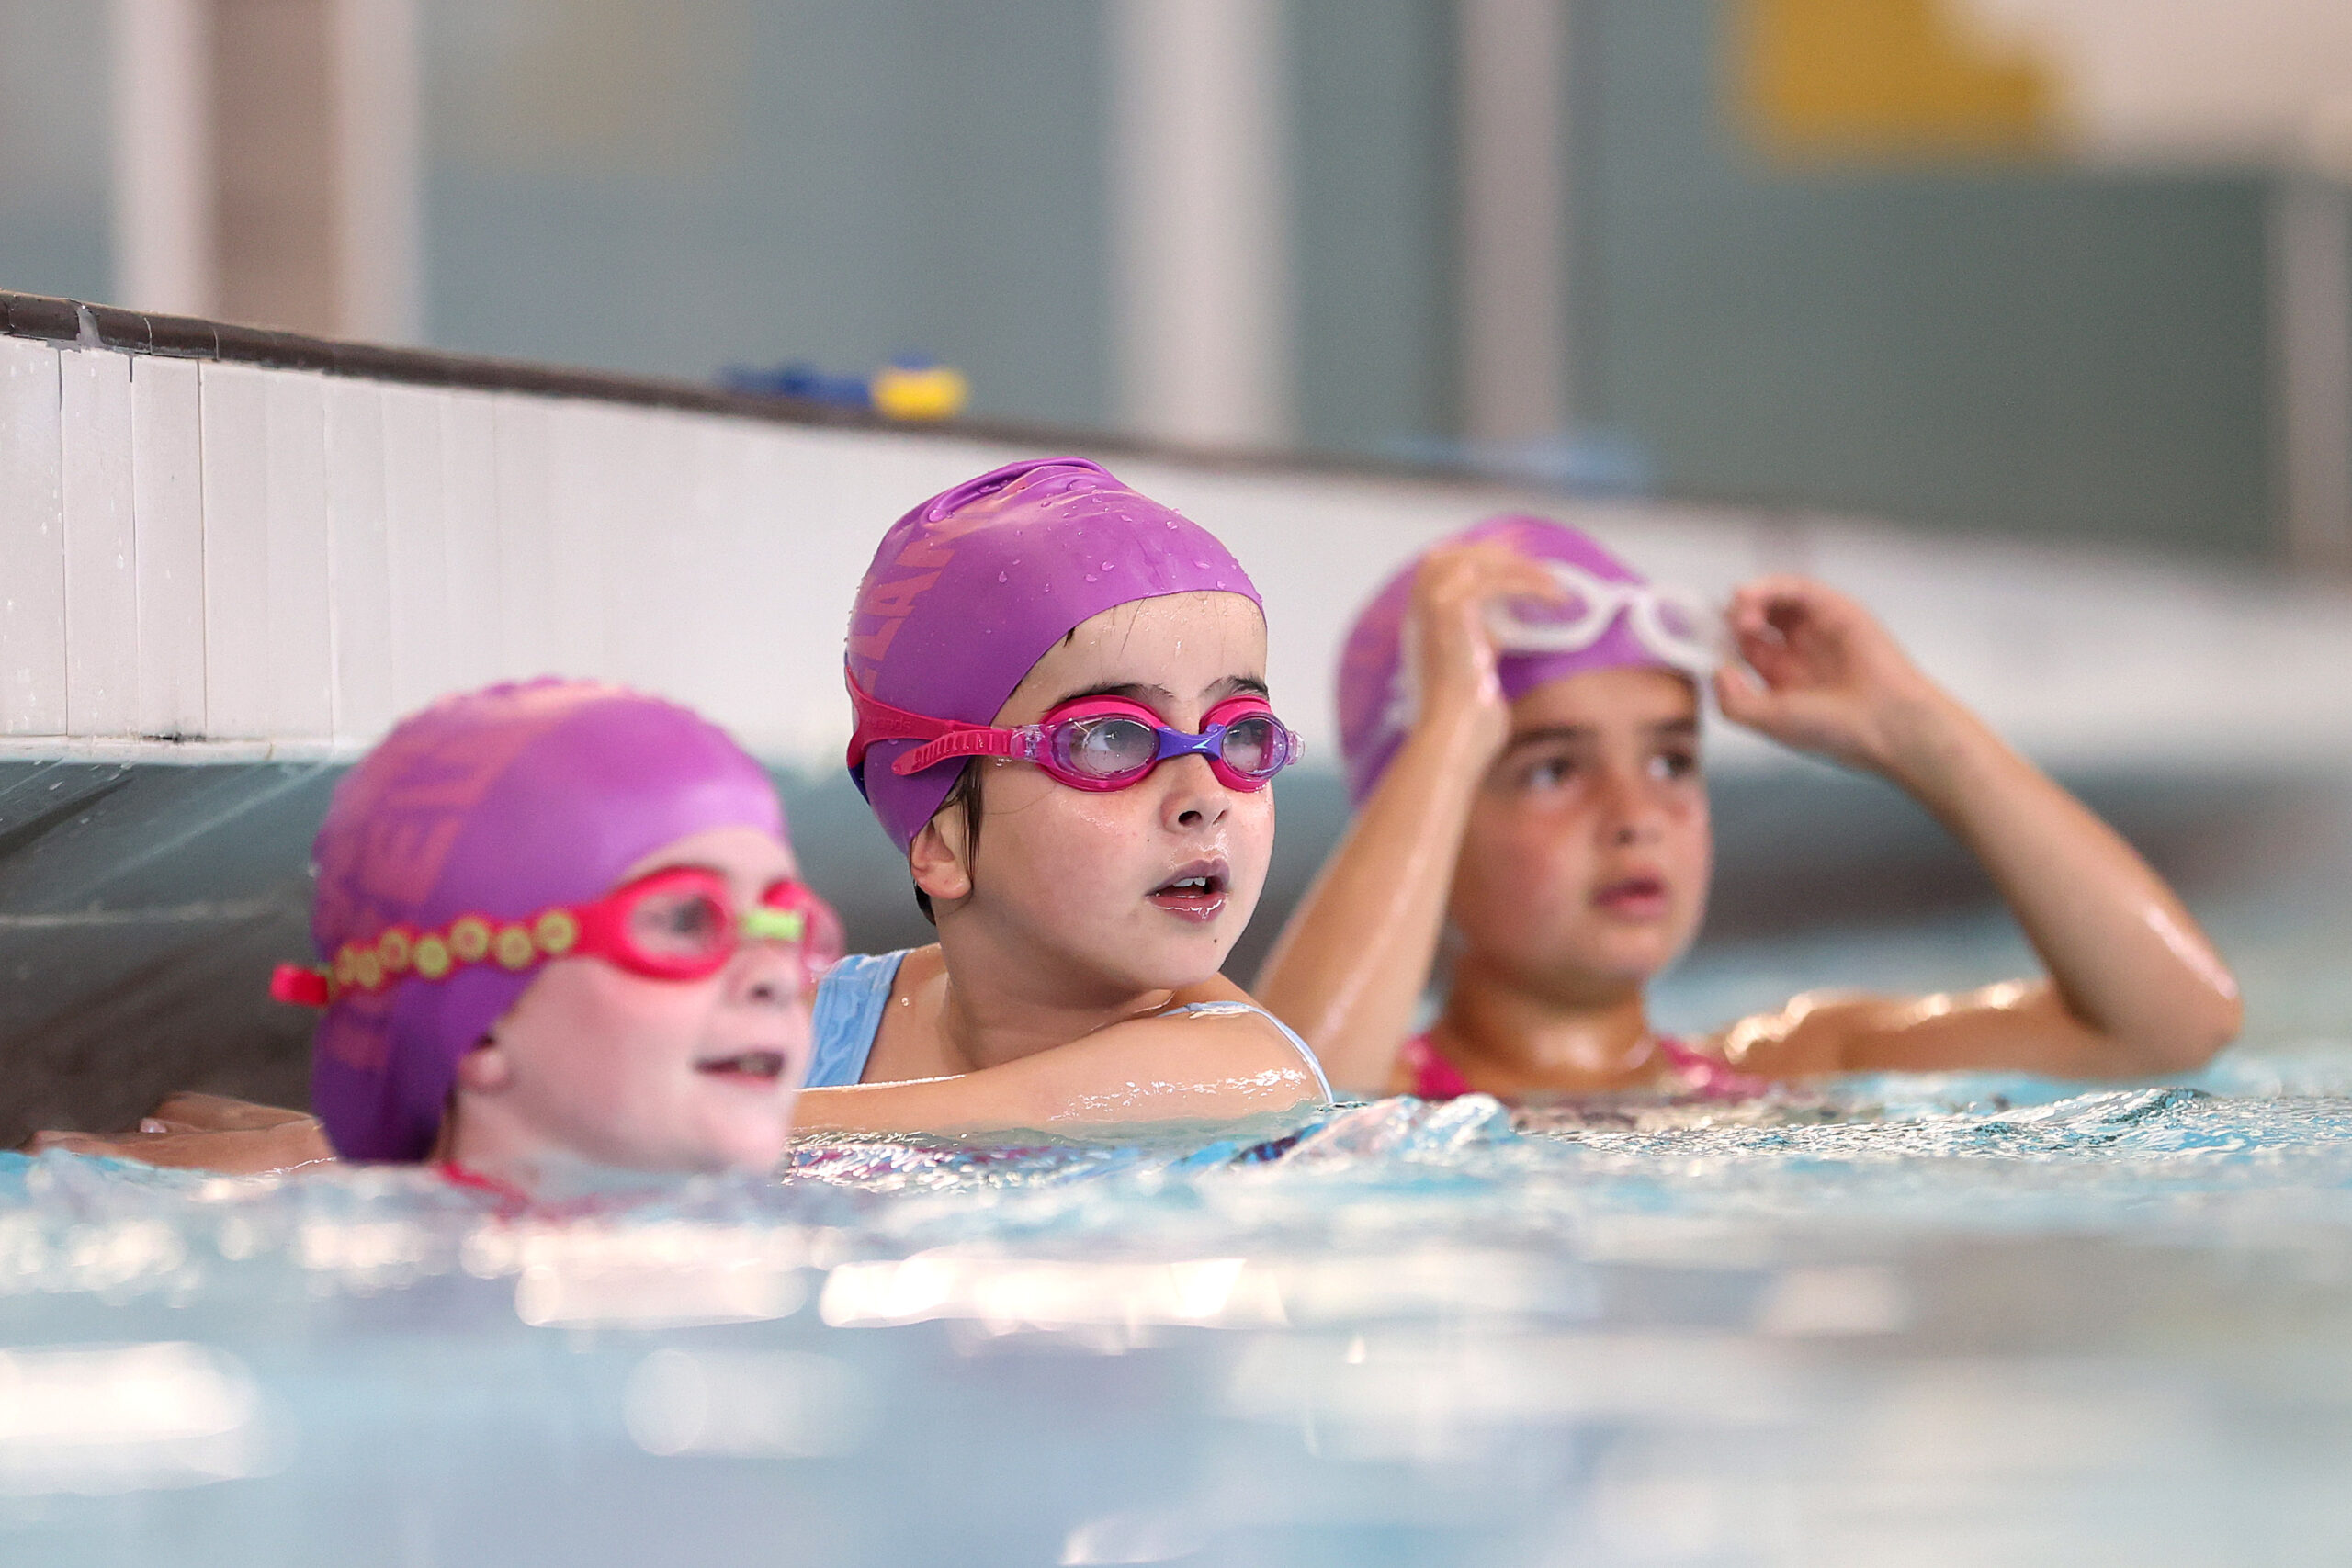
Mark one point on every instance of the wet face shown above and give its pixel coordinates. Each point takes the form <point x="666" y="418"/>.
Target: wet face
<point x="1585" y="866"/>
<point x="1117" y="892"/>
<point x="597" y="1063"/>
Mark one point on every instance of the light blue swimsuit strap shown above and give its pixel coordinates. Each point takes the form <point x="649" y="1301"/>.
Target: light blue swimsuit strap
<point x="847" y="1015"/>
<point x="1305" y="1052"/>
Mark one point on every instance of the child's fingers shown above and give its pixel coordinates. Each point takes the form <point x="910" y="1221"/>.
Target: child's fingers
<point x="1742" y="697"/>
<point x="72" y="1143"/>
<point x="1788" y="608"/>
<point x="1484" y="569"/>
<point x="1757" y="596"/>
<point x="1769" y="657"/>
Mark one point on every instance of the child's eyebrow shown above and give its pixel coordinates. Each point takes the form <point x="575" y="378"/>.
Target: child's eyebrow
<point x="1134" y="691"/>
<point x="1160" y="698"/>
<point x="1548" y="733"/>
<point x="1669" y="728"/>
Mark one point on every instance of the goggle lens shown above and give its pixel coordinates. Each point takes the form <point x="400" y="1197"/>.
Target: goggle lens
<point x="686" y="927"/>
<point x="1250" y="745"/>
<point x="1108" y="747"/>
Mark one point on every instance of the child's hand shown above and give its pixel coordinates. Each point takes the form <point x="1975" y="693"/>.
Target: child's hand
<point x="1823" y="675"/>
<point x="205" y="1131"/>
<point x="189" y="1112"/>
<point x="1453" y="652"/>
<point x="244" y="1152"/>
<point x="241" y="1153"/>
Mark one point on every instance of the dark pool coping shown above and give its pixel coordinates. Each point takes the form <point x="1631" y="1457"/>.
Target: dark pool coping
<point x="83" y="324"/>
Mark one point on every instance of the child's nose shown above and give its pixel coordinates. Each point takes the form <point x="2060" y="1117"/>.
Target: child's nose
<point x="1193" y="797"/>
<point x="1629" y="807"/>
<point x="768" y="974"/>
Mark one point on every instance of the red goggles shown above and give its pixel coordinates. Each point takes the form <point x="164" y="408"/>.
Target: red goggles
<point x="1097" y="743"/>
<point x="678" y="924"/>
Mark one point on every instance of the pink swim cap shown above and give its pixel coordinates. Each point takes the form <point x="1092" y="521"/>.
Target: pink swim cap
<point x="496" y="803"/>
<point x="1371" y="722"/>
<point x="971" y="588"/>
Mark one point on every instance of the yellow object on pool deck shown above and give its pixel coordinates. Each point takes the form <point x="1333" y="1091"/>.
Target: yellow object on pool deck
<point x="1866" y="80"/>
<point x="928" y="391"/>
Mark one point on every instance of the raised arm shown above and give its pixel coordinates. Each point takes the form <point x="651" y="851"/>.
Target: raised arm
<point x="1214" y="1065"/>
<point x="1349" y="968"/>
<point x="2133" y="986"/>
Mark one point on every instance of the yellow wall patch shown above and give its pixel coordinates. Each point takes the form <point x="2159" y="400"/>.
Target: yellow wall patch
<point x="1885" y="80"/>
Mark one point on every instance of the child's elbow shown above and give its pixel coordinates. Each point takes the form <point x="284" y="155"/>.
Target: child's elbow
<point x="2195" y="1034"/>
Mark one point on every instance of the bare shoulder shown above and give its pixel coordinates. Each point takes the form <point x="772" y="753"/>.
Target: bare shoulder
<point x="1216" y="989"/>
<point x="1222" y="1022"/>
<point x="1216" y="1029"/>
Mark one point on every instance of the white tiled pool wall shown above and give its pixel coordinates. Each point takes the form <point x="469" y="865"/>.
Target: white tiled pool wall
<point x="202" y="559"/>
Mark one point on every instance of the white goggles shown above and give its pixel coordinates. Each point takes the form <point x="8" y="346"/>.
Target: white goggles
<point x="1680" y="628"/>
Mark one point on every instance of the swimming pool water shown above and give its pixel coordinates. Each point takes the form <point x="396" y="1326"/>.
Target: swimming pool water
<point x="1958" y="1319"/>
<point x="1919" y="1320"/>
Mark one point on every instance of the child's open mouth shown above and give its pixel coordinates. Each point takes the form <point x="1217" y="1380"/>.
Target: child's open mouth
<point x="1195" y="893"/>
<point x="745" y="1066"/>
<point x="1634" y="897"/>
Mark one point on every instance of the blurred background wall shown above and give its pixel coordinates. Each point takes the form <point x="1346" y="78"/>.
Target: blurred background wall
<point x="1891" y="278"/>
<point x="2064" y="268"/>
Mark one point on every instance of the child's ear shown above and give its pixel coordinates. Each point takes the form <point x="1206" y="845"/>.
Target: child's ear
<point x="937" y="858"/>
<point x="485" y="1069"/>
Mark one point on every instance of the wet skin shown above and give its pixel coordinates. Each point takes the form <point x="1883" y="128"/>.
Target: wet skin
<point x="1081" y="915"/>
<point x="592" y="1066"/>
<point x="595" y="1064"/>
<point x="1565" y="838"/>
<point x="1585" y="864"/>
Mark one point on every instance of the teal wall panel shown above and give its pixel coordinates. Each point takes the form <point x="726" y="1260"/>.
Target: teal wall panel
<point x="56" y="204"/>
<point x="2029" y="348"/>
<point x="667" y="189"/>
<point x="1372" y="172"/>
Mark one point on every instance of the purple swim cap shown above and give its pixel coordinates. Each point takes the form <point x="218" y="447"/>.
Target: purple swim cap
<point x="496" y="803"/>
<point x="974" y="586"/>
<point x="1371" y="724"/>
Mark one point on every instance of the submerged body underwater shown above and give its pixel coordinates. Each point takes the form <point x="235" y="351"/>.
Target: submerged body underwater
<point x="1950" y="1318"/>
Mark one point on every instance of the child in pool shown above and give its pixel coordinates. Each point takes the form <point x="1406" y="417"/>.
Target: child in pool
<point x="1059" y="688"/>
<point x="560" y="928"/>
<point x="1546" y="802"/>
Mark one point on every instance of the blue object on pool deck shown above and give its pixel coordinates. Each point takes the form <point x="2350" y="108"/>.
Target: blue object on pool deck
<point x="1982" y="1318"/>
<point x="799" y="378"/>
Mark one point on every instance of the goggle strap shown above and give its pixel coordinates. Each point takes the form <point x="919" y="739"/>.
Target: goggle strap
<point x="301" y="985"/>
<point x="877" y="721"/>
<point x="975" y="741"/>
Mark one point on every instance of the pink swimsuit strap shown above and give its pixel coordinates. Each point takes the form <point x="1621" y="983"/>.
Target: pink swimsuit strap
<point x="1710" y="1076"/>
<point x="1435" y="1078"/>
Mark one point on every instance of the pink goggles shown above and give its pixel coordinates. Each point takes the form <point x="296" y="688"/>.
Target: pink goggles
<point x="1097" y="743"/>
<point x="676" y="924"/>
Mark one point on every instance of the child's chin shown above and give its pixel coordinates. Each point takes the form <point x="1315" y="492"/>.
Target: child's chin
<point x="1176" y="962"/>
<point x="1631" y="961"/>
